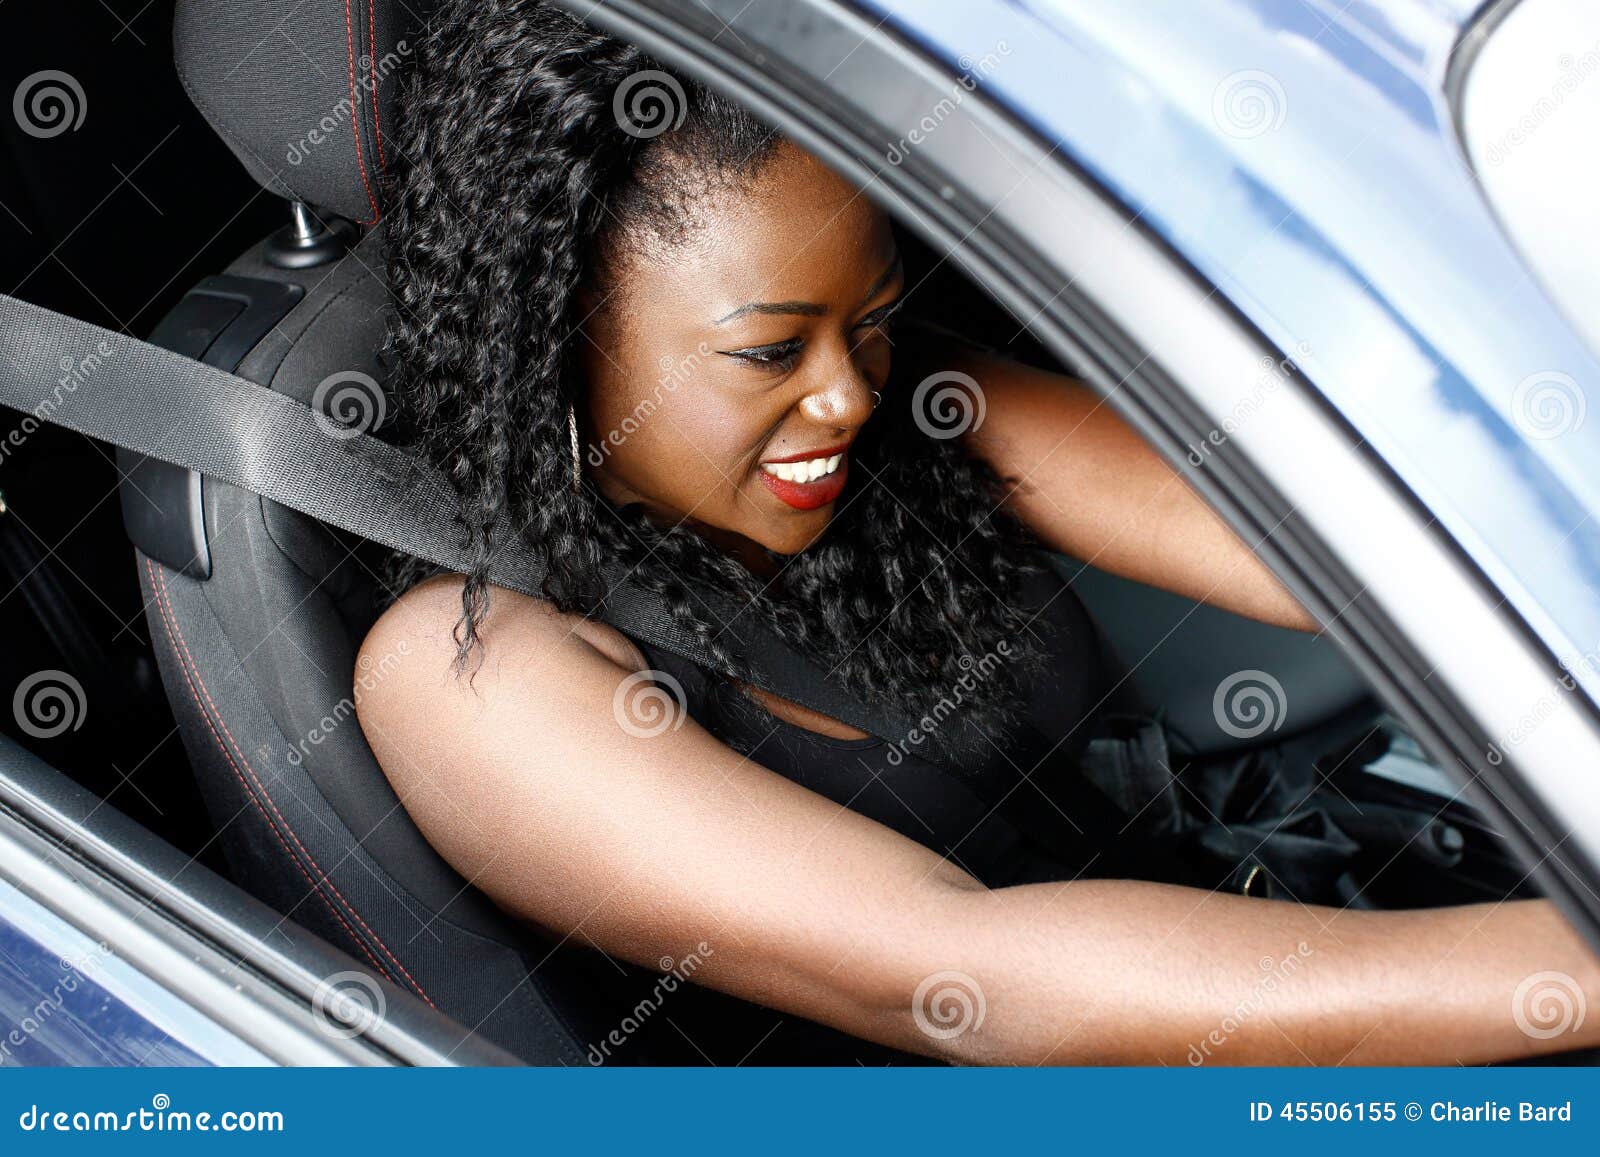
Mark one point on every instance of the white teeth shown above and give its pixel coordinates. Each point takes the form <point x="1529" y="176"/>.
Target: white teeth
<point x="808" y="471"/>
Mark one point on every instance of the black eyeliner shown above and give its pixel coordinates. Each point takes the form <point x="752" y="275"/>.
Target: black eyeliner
<point x="775" y="353"/>
<point x="765" y="354"/>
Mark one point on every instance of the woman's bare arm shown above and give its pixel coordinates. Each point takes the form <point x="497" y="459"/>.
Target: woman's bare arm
<point x="544" y="788"/>
<point x="1091" y="487"/>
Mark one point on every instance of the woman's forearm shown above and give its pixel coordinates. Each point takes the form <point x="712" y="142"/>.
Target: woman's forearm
<point x="1089" y="485"/>
<point x="1124" y="972"/>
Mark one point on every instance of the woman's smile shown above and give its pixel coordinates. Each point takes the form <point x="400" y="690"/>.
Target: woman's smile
<point x="787" y="285"/>
<point x="810" y="479"/>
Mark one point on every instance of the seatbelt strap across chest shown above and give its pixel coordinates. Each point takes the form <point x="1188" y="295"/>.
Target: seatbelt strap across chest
<point x="130" y="393"/>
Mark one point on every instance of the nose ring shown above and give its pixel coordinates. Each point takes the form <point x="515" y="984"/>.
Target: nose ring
<point x="876" y="398"/>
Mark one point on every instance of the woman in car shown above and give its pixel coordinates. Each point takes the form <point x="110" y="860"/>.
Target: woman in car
<point x="641" y="328"/>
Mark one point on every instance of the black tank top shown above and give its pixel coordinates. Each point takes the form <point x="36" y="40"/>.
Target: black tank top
<point x="1018" y="812"/>
<point x="910" y="783"/>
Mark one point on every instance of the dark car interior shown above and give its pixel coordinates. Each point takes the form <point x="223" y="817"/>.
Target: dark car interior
<point x="210" y="635"/>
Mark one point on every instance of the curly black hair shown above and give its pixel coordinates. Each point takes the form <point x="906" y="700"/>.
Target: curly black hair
<point x="518" y="182"/>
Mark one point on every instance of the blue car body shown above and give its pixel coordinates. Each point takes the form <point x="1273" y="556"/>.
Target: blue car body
<point x="1303" y="157"/>
<point x="67" y="1000"/>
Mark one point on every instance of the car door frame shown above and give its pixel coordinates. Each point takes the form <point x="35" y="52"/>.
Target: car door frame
<point x="1114" y="301"/>
<point x="185" y="954"/>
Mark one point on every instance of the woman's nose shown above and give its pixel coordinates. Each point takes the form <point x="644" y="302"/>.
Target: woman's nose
<point x="846" y="400"/>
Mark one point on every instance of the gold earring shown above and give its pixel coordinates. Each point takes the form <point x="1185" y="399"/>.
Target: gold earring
<point x="577" y="458"/>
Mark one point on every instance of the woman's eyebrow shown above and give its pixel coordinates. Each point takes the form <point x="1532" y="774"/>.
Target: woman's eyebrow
<point x="809" y="308"/>
<point x="884" y="278"/>
<point x="806" y="308"/>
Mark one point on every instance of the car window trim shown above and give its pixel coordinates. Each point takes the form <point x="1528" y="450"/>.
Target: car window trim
<point x="253" y="972"/>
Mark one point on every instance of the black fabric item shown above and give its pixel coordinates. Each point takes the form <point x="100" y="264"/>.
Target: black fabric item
<point x="974" y="814"/>
<point x="1261" y="822"/>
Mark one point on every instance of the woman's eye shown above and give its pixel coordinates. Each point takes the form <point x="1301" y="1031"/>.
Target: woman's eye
<point x="877" y="324"/>
<point x="780" y="355"/>
<point x="880" y="319"/>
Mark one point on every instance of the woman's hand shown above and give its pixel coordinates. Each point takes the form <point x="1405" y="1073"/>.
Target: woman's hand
<point x="1089" y="486"/>
<point x="541" y="783"/>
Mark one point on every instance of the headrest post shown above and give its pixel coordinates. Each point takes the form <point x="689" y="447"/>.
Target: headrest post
<point x="308" y="240"/>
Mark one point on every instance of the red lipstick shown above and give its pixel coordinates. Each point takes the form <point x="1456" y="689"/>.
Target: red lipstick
<point x="814" y="493"/>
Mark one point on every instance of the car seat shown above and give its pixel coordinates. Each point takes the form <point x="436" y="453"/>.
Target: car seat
<point x="257" y="611"/>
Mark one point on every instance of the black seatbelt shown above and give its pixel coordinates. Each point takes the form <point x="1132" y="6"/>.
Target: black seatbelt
<point x="132" y="394"/>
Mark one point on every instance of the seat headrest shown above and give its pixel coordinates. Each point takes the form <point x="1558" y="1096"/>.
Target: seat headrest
<point x="301" y="92"/>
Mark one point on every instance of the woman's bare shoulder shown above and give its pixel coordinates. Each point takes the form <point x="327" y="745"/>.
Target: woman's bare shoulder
<point x="416" y="638"/>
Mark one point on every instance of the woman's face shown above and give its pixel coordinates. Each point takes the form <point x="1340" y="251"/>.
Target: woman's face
<point x="728" y="376"/>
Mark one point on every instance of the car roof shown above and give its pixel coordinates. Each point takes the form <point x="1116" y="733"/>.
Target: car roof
<point x="1302" y="157"/>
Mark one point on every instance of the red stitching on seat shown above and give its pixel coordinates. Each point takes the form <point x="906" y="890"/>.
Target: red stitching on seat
<point x="161" y="578"/>
<point x="158" y="580"/>
<point x="169" y="621"/>
<point x="355" y="105"/>
<point x="372" y="39"/>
